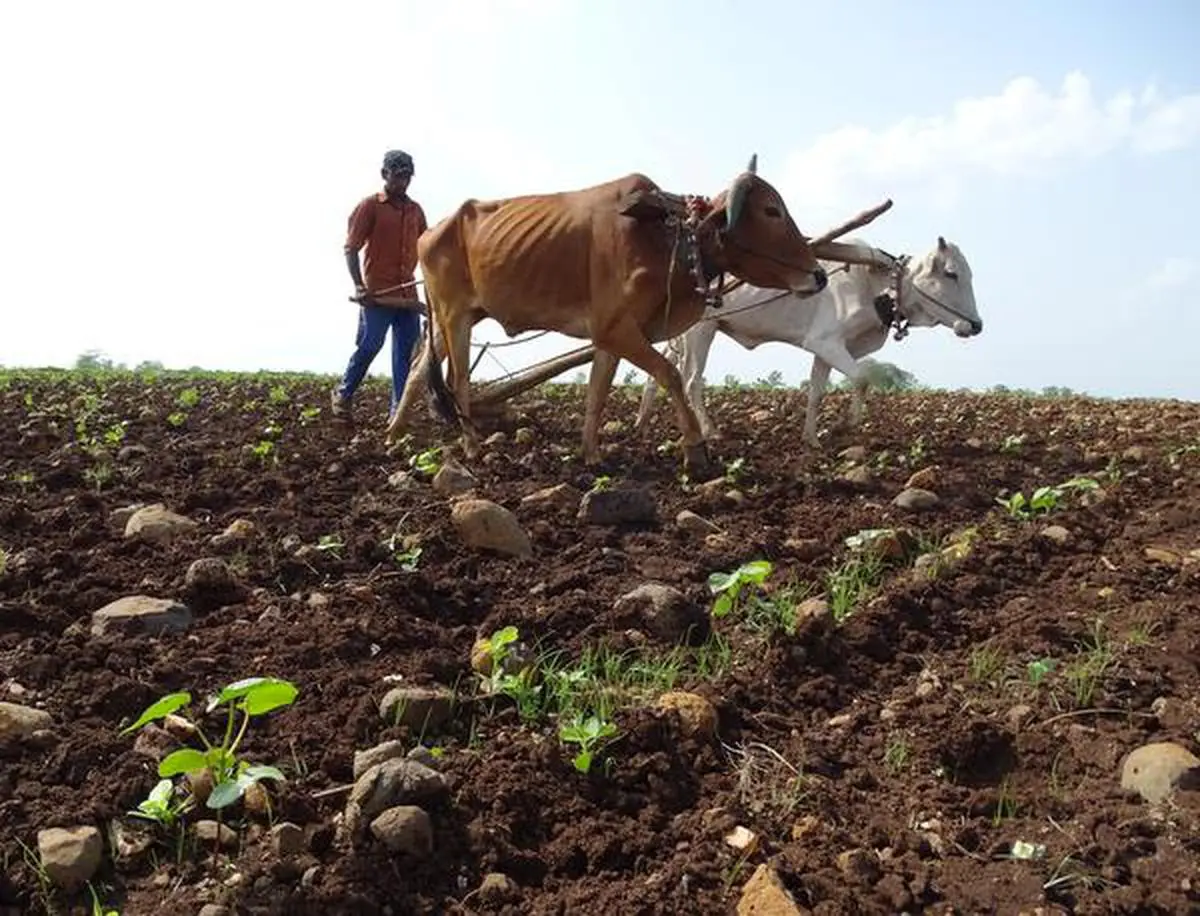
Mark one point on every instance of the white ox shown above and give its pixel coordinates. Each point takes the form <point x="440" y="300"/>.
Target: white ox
<point x="848" y="320"/>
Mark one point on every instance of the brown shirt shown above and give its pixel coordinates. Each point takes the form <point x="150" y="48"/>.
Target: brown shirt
<point x="390" y="232"/>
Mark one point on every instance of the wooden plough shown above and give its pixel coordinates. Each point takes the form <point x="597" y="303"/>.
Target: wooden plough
<point x="490" y="395"/>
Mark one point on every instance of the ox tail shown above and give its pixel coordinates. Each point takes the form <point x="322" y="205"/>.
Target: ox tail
<point x="442" y="401"/>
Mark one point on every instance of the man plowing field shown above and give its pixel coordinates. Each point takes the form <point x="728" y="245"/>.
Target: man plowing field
<point x="388" y="224"/>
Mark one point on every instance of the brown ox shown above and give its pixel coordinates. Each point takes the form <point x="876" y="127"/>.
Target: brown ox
<point x="589" y="265"/>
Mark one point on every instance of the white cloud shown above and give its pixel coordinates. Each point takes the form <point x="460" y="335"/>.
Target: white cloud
<point x="1025" y="129"/>
<point x="1172" y="274"/>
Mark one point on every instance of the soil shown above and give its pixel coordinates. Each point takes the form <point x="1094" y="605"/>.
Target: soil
<point x="887" y="761"/>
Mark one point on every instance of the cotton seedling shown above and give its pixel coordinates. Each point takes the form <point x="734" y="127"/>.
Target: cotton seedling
<point x="427" y="462"/>
<point x="159" y="807"/>
<point x="590" y="734"/>
<point x="728" y="587"/>
<point x="231" y="776"/>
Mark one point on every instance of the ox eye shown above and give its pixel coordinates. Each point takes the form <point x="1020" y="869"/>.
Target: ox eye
<point x="951" y="274"/>
<point x="772" y="211"/>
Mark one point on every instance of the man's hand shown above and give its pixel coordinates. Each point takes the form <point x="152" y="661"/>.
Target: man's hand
<point x="363" y="296"/>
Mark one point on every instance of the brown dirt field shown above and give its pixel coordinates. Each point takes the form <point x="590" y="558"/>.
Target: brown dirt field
<point x="887" y="760"/>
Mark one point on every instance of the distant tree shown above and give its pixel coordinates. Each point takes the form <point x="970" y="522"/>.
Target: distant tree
<point x="93" y="361"/>
<point x="883" y="376"/>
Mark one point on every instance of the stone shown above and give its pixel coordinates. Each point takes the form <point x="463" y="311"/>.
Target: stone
<point x="859" y="475"/>
<point x="389" y="784"/>
<point x="19" y="722"/>
<point x="696" y="714"/>
<point x="689" y="521"/>
<point x="924" y="479"/>
<point x="1056" y="534"/>
<point x="561" y="495"/>
<point x="1164" y="556"/>
<point x="765" y="895"/>
<point x="618" y="506"/>
<point x="1155" y="771"/>
<point x="405" y="829"/>
<point x="665" y="612"/>
<point x="742" y="839"/>
<point x="859" y="864"/>
<point x="157" y="523"/>
<point x="452" y="479"/>
<point x="811" y="611"/>
<point x="287" y="839"/>
<point x="153" y="616"/>
<point x="805" y="548"/>
<point x="70" y="855"/>
<point x="388" y="750"/>
<point x="212" y="832"/>
<point x="854" y="453"/>
<point x="915" y="499"/>
<point x="208" y="574"/>
<point x="417" y="707"/>
<point x="497" y="887"/>
<point x="484" y="525"/>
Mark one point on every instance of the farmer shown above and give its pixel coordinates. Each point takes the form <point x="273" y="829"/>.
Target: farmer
<point x="388" y="223"/>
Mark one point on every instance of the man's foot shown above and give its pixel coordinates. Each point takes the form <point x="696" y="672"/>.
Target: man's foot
<point x="338" y="405"/>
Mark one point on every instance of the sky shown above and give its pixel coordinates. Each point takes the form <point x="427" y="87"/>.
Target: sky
<point x="177" y="177"/>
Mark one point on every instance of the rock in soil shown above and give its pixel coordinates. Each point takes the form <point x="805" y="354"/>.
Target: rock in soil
<point x="406" y="829"/>
<point x="142" y="614"/>
<point x="70" y="855"/>
<point x="1155" y="771"/>
<point x="765" y="895"/>
<point x="666" y="613"/>
<point x="625" y="505"/>
<point x="483" y="524"/>
<point x="18" y="722"/>
<point x="393" y="783"/>
<point x="417" y="707"/>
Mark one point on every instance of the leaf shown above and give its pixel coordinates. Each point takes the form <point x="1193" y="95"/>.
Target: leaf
<point x="719" y="581"/>
<point x="161" y="793"/>
<point x="503" y="637"/>
<point x="756" y="570"/>
<point x="226" y="793"/>
<point x="266" y="697"/>
<point x="722" y="605"/>
<point x="253" y="686"/>
<point x="261" y="771"/>
<point x="184" y="760"/>
<point x="583" y="761"/>
<point x="159" y="709"/>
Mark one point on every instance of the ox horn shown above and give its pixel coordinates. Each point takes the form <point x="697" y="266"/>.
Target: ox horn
<point x="752" y="168"/>
<point x="737" y="200"/>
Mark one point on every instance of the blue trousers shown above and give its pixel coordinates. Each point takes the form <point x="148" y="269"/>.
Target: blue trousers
<point x="373" y="325"/>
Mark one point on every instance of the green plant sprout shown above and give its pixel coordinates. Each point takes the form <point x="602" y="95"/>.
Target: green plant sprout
<point x="427" y="462"/>
<point x="728" y="587"/>
<point x="590" y="734"/>
<point x="158" y="806"/>
<point x="231" y="777"/>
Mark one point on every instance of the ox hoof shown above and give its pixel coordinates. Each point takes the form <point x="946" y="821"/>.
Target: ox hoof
<point x="698" y="463"/>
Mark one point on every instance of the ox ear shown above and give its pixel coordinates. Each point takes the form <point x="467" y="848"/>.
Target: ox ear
<point x="752" y="168"/>
<point x="941" y="245"/>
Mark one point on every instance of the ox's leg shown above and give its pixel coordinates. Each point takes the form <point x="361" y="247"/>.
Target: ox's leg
<point x="627" y="341"/>
<point x="833" y="354"/>
<point x="458" y="351"/>
<point x="604" y="368"/>
<point x="818" y="378"/>
<point x="650" y="389"/>
<point x="695" y="349"/>
<point x="399" y="418"/>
